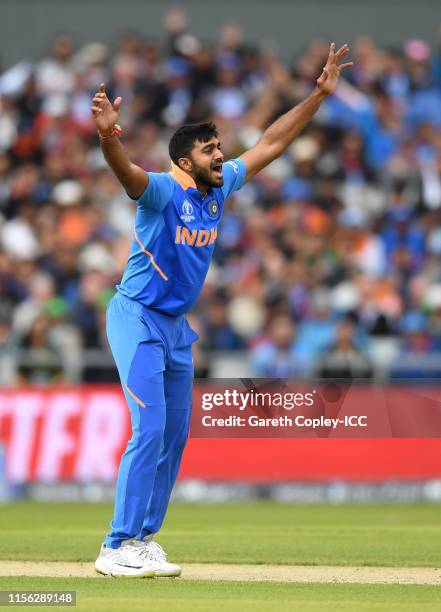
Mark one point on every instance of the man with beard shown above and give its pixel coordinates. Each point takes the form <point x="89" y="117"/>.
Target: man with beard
<point x="174" y="236"/>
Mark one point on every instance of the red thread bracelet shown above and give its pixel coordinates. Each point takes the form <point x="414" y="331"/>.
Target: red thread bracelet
<point x="116" y="131"/>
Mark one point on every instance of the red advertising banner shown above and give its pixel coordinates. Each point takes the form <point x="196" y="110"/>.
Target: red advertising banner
<point x="79" y="433"/>
<point x="54" y="434"/>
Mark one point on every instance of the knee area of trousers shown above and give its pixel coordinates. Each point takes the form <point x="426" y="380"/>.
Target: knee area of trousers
<point x="182" y="439"/>
<point x="153" y="433"/>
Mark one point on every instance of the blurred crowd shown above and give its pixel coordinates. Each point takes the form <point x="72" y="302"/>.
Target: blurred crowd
<point x="327" y="264"/>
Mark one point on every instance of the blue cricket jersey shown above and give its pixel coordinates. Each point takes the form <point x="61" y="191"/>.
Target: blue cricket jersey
<point x="174" y="237"/>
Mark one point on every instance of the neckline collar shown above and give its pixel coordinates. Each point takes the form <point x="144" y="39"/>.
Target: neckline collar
<point x="186" y="181"/>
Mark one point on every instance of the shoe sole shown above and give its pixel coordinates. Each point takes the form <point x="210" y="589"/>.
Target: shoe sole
<point x="175" y="574"/>
<point x="145" y="574"/>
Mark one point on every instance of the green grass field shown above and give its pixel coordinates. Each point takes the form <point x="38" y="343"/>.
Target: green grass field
<point x="179" y="596"/>
<point x="257" y="532"/>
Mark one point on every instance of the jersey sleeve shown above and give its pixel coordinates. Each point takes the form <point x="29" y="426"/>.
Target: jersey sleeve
<point x="234" y="173"/>
<point x="158" y="192"/>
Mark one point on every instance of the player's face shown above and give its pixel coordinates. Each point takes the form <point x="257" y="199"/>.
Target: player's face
<point x="207" y="159"/>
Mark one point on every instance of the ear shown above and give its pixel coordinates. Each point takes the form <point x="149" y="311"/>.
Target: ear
<point x="185" y="164"/>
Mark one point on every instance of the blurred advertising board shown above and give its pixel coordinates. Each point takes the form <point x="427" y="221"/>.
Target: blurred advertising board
<point x="78" y="433"/>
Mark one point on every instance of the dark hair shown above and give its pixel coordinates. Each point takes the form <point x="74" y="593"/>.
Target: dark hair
<point x="182" y="141"/>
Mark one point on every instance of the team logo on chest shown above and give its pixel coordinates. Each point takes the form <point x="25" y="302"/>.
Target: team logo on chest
<point x="187" y="212"/>
<point x="213" y="207"/>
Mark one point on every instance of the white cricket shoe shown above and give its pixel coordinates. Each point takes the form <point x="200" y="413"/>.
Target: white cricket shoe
<point x="152" y="553"/>
<point x="123" y="561"/>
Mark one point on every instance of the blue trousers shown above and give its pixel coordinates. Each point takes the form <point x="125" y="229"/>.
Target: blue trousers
<point x="153" y="355"/>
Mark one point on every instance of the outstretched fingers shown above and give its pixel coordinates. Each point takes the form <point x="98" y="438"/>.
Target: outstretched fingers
<point x="328" y="79"/>
<point x="322" y="78"/>
<point x="344" y="66"/>
<point x="344" y="50"/>
<point x="117" y="103"/>
<point x="331" y="53"/>
<point x="99" y="100"/>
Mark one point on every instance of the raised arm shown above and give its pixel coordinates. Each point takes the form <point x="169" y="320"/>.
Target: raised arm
<point x="105" y="115"/>
<point x="280" y="134"/>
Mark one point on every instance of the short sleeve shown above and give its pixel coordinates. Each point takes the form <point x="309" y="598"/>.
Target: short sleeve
<point x="234" y="173"/>
<point x="158" y="192"/>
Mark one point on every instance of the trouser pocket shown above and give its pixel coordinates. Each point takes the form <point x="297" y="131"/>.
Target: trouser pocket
<point x="145" y="380"/>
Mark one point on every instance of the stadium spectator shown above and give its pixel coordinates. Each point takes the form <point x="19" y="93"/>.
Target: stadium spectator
<point x="273" y="356"/>
<point x="344" y="359"/>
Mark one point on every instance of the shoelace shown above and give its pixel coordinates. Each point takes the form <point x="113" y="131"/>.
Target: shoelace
<point x="152" y="551"/>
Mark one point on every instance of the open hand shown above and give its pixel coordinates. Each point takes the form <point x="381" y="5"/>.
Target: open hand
<point x="327" y="82"/>
<point x="105" y="114"/>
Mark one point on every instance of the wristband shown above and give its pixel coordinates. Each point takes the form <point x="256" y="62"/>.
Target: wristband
<point x="116" y="131"/>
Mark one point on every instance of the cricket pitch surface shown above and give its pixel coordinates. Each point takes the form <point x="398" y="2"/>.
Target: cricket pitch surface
<point x="220" y="572"/>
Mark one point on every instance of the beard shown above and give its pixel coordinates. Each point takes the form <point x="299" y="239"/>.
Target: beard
<point x="207" y="178"/>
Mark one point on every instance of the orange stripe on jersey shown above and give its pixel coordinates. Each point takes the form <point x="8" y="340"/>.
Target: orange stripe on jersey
<point x="181" y="177"/>
<point x="152" y="259"/>
<point x="136" y="398"/>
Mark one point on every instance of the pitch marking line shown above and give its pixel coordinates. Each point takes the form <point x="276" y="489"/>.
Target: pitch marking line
<point x="219" y="572"/>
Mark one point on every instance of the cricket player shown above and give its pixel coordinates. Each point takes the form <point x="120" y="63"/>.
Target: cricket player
<point x="176" y="224"/>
